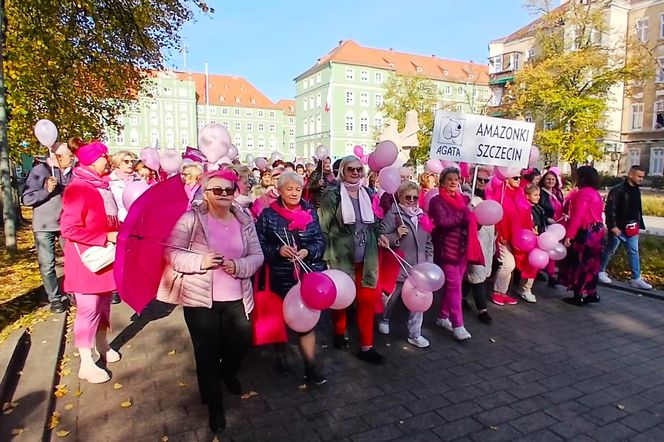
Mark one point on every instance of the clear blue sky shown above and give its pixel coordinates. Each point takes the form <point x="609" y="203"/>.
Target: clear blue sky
<point x="270" y="42"/>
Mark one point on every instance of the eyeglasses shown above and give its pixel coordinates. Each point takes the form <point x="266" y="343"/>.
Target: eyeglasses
<point x="516" y="178"/>
<point x="218" y="191"/>
<point x="354" y="169"/>
<point x="411" y="198"/>
<point x="483" y="180"/>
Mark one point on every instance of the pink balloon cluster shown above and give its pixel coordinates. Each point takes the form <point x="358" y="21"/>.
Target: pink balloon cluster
<point x="384" y="155"/>
<point x="417" y="292"/>
<point x="543" y="247"/>
<point x="317" y="291"/>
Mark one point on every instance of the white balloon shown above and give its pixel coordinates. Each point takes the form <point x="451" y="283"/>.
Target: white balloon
<point x="46" y="132"/>
<point x="232" y="152"/>
<point x="345" y="288"/>
<point x="322" y="152"/>
<point x="214" y="141"/>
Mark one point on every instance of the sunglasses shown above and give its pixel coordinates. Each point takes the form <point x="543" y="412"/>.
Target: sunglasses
<point x="516" y="178"/>
<point x="411" y="198"/>
<point x="128" y="161"/>
<point x="219" y="191"/>
<point x="483" y="180"/>
<point x="354" y="169"/>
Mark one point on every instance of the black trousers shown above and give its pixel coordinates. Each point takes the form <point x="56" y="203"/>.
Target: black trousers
<point x="221" y="337"/>
<point x="479" y="293"/>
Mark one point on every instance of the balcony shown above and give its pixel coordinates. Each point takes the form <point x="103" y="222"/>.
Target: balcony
<point x="502" y="67"/>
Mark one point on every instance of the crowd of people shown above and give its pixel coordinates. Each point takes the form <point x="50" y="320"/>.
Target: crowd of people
<point x="250" y="229"/>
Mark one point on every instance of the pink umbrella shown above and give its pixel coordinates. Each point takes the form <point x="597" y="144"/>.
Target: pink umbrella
<point x="139" y="259"/>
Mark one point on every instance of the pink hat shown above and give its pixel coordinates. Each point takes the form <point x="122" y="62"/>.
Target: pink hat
<point x="89" y="153"/>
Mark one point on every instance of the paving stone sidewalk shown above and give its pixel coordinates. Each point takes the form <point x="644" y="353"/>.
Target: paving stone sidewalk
<point x="545" y="371"/>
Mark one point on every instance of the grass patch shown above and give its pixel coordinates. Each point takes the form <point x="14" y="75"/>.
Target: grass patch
<point x="653" y="205"/>
<point x="652" y="261"/>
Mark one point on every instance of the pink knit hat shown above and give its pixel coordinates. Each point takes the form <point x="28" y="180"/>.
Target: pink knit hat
<point x="89" y="153"/>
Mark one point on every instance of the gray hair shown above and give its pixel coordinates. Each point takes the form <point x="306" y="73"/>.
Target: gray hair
<point x="342" y="165"/>
<point x="407" y="186"/>
<point x="447" y="171"/>
<point x="289" y="176"/>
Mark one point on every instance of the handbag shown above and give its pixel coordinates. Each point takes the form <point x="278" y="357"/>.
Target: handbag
<point x="632" y="229"/>
<point x="97" y="258"/>
<point x="174" y="280"/>
<point x="267" y="318"/>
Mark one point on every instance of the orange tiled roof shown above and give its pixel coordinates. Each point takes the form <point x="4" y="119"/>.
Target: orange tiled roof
<point x="349" y="52"/>
<point x="227" y="90"/>
<point x="288" y="106"/>
<point x="530" y="29"/>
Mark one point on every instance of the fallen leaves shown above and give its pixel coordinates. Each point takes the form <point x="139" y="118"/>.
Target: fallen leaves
<point x="171" y="353"/>
<point x="181" y="384"/>
<point x="117" y="386"/>
<point x="60" y="390"/>
<point x="126" y="404"/>
<point x="55" y="420"/>
<point x="17" y="431"/>
<point x="69" y="406"/>
<point x="78" y="393"/>
<point x="620" y="407"/>
<point x="248" y="395"/>
<point x="62" y="433"/>
<point x="164" y="438"/>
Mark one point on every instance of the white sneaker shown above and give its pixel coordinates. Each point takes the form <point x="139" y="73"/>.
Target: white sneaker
<point x="604" y="278"/>
<point x="461" y="334"/>
<point x="93" y="374"/>
<point x="528" y="296"/>
<point x="420" y="342"/>
<point x="444" y="323"/>
<point x="640" y="284"/>
<point x="384" y="327"/>
<point x="112" y="356"/>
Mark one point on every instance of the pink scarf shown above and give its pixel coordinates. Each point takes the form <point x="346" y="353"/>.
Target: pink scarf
<point x="475" y="255"/>
<point x="298" y="218"/>
<point x="102" y="185"/>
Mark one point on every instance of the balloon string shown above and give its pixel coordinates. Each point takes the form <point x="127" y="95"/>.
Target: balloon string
<point x="305" y="267"/>
<point x="400" y="260"/>
<point x="398" y="210"/>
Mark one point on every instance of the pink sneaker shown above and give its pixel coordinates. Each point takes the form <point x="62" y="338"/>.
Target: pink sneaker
<point x="498" y="299"/>
<point x="509" y="300"/>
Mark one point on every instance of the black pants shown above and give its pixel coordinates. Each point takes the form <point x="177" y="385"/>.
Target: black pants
<point x="479" y="293"/>
<point x="221" y="337"/>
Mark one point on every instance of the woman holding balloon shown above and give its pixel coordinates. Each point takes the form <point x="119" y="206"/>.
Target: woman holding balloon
<point x="455" y="243"/>
<point x="584" y="237"/>
<point x="288" y="231"/>
<point x="551" y="200"/>
<point x="351" y="232"/>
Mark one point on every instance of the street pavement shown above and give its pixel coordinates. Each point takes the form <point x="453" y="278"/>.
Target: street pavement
<point x="541" y="372"/>
<point x="654" y="225"/>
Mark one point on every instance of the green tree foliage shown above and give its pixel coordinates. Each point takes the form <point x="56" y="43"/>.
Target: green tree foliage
<point x="78" y="62"/>
<point x="409" y="92"/>
<point x="566" y="87"/>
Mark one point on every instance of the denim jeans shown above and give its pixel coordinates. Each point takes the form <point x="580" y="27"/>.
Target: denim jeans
<point x="632" y="246"/>
<point x="45" y="243"/>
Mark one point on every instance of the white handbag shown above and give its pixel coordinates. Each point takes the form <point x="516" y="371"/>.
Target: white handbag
<point x="97" y="258"/>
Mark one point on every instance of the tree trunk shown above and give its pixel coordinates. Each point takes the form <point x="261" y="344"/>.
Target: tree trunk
<point x="8" y="206"/>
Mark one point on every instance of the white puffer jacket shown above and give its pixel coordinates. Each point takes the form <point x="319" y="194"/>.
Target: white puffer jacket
<point x="477" y="274"/>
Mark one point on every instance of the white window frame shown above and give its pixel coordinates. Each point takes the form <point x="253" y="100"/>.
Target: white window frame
<point x="378" y="99"/>
<point x="460" y="91"/>
<point x="249" y="126"/>
<point x="633" y="158"/>
<point x="250" y="141"/>
<point x="273" y="128"/>
<point x="659" y="71"/>
<point x="237" y="112"/>
<point x="261" y="142"/>
<point x="657" y="107"/>
<point x="184" y="139"/>
<point x="319" y="124"/>
<point x="636" y="117"/>
<point x="261" y="127"/>
<point x="319" y="99"/>
<point x="656" y="161"/>
<point x="350" y="98"/>
<point x="448" y="89"/>
<point x="238" y="126"/>
<point x="661" y="25"/>
<point x="305" y="104"/>
<point x="364" y="76"/>
<point x="364" y="99"/>
<point x="350" y="74"/>
<point x="134" y="138"/>
<point x="318" y="77"/>
<point x="364" y="122"/>
<point x="641" y="28"/>
<point x="350" y="121"/>
<point x="378" y="77"/>
<point x="133" y="120"/>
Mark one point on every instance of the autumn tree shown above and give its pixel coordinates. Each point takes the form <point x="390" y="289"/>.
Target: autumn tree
<point x="409" y="92"/>
<point x="566" y="87"/>
<point x="78" y="63"/>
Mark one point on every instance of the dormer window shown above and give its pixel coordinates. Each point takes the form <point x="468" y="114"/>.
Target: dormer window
<point x="237" y="99"/>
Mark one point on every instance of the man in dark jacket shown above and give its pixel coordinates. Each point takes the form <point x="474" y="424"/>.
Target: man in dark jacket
<point x="43" y="191"/>
<point x="624" y="219"/>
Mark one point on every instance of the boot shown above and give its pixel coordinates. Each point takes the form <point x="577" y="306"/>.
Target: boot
<point x="89" y="371"/>
<point x="216" y="417"/>
<point x="105" y="350"/>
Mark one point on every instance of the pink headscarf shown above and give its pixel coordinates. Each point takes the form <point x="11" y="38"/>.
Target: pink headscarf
<point x="91" y="152"/>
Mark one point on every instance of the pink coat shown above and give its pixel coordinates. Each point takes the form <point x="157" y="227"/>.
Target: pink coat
<point x="84" y="222"/>
<point x="262" y="202"/>
<point x="585" y="209"/>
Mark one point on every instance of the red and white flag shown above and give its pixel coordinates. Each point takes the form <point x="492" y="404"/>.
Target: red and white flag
<point x="328" y="100"/>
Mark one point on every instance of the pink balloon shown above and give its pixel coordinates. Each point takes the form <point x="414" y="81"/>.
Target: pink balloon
<point x="364" y="159"/>
<point x="414" y="299"/>
<point x="505" y="173"/>
<point x="373" y="163"/>
<point x="525" y="240"/>
<point x="214" y="141"/>
<point x="389" y="179"/>
<point x="559" y="252"/>
<point x="133" y="190"/>
<point x="434" y="166"/>
<point x="261" y="163"/>
<point x="345" y="288"/>
<point x="547" y="241"/>
<point x="538" y="258"/>
<point x="318" y="290"/>
<point x="385" y="154"/>
<point x="232" y="152"/>
<point x="488" y="213"/>
<point x="170" y="161"/>
<point x="297" y="315"/>
<point x="150" y="157"/>
<point x="449" y="164"/>
<point x="534" y="156"/>
<point x="427" y="276"/>
<point x="322" y="152"/>
<point x="358" y="151"/>
<point x="428" y="197"/>
<point x="558" y="230"/>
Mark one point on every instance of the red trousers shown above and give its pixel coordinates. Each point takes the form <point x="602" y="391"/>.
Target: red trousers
<point x="365" y="302"/>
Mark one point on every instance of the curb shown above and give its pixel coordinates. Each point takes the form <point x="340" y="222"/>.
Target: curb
<point x="624" y="287"/>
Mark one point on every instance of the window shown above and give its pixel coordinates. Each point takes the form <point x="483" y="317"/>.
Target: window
<point x="364" y="99"/>
<point x="291" y="120"/>
<point x="249" y="126"/>
<point x="225" y="124"/>
<point x="318" y="100"/>
<point x="378" y="98"/>
<point x="291" y="132"/>
<point x="261" y="142"/>
<point x="460" y="90"/>
<point x="350" y="74"/>
<point x="238" y="112"/>
<point x="378" y="122"/>
<point x="212" y="122"/>
<point x="271" y="114"/>
<point x="170" y="139"/>
<point x="120" y="120"/>
<point x="133" y="120"/>
<point x="350" y="97"/>
<point x="350" y="121"/>
<point x="182" y="92"/>
<point x="661" y="25"/>
<point x="184" y="139"/>
<point x="134" y="137"/>
<point x="224" y="111"/>
<point x="183" y="107"/>
<point x="448" y="89"/>
<point x="459" y="108"/>
<point x="660" y="70"/>
<point x="119" y="137"/>
<point x="364" y="122"/>
<point x="311" y="125"/>
<point x="250" y="141"/>
<point x="305" y="83"/>
<point x="253" y="101"/>
<point x="364" y="76"/>
<point x="306" y="127"/>
<point x="154" y="137"/>
<point x="379" y="77"/>
<point x="642" y="29"/>
<point x="318" y="77"/>
<point x="496" y="64"/>
<point x="248" y="112"/>
<point x="222" y="98"/>
<point x="237" y="99"/>
<point x="212" y="110"/>
<point x="238" y="126"/>
<point x="634" y="157"/>
<point x="184" y="120"/>
<point x="636" y="117"/>
<point x="349" y="148"/>
<point x="291" y="145"/>
<point x="168" y="91"/>
<point x="273" y="128"/>
<point x="656" y="161"/>
<point x="201" y="123"/>
<point x="238" y="141"/>
<point x="261" y="127"/>
<point x="305" y="105"/>
<point x="273" y="142"/>
<point x="153" y="119"/>
<point x="260" y="114"/>
<point x="311" y="103"/>
<point x="319" y="124"/>
<point x="658" y="115"/>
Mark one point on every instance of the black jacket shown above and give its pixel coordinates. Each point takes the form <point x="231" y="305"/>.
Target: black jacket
<point x="545" y="203"/>
<point x="282" y="273"/>
<point x="539" y="219"/>
<point x="623" y="206"/>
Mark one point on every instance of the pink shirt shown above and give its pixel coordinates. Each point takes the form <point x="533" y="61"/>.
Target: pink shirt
<point x="585" y="209"/>
<point x="225" y="238"/>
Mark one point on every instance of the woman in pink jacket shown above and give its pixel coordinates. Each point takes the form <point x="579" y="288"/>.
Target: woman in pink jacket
<point x="584" y="238"/>
<point x="90" y="218"/>
<point x="215" y="252"/>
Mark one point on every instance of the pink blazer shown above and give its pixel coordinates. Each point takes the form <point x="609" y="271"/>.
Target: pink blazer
<point x="84" y="222"/>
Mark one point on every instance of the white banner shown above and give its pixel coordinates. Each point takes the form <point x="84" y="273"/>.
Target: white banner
<point x="481" y="140"/>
